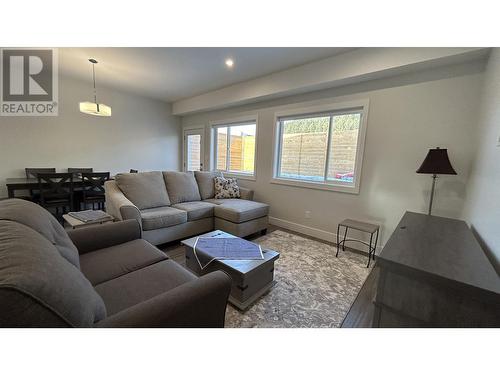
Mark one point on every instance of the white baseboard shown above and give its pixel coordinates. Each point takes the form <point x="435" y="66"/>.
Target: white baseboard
<point x="310" y="231"/>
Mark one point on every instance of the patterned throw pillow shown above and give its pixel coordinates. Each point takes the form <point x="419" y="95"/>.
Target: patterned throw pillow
<point x="226" y="188"/>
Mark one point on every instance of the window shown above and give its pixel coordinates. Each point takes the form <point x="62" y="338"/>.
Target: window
<point x="234" y="146"/>
<point x="193" y="152"/>
<point x="322" y="149"/>
<point x="194" y="149"/>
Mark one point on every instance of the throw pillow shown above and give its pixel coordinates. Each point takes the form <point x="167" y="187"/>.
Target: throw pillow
<point x="226" y="188"/>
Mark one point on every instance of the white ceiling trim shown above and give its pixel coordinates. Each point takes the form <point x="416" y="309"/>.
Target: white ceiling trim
<point x="347" y="68"/>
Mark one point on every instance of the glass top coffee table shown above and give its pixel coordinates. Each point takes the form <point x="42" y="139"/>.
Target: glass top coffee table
<point x="251" y="278"/>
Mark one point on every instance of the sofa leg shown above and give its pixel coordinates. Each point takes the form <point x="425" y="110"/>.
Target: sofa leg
<point x="263" y="232"/>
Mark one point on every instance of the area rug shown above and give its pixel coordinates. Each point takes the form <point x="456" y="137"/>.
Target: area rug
<point x="314" y="289"/>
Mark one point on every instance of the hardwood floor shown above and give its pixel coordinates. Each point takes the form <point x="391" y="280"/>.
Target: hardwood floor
<point x="175" y="252"/>
<point x="361" y="312"/>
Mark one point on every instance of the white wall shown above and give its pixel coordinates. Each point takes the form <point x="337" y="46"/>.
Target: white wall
<point x="141" y="134"/>
<point x="408" y="115"/>
<point x="483" y="190"/>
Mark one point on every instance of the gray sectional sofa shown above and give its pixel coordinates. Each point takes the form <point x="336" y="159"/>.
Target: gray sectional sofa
<point x="174" y="205"/>
<point x="99" y="276"/>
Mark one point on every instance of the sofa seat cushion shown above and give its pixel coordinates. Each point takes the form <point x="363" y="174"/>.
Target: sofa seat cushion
<point x="162" y="217"/>
<point x="220" y="201"/>
<point x="145" y="190"/>
<point x="196" y="210"/>
<point x="141" y="285"/>
<point x="181" y="187"/>
<point x="241" y="210"/>
<point x="111" y="262"/>
<point x="206" y="182"/>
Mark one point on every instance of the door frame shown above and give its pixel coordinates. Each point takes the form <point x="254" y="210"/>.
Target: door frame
<point x="193" y="131"/>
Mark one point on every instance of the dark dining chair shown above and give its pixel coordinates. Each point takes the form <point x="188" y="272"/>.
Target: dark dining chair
<point x="93" y="189"/>
<point x="78" y="190"/>
<point x="77" y="172"/>
<point x="56" y="191"/>
<point x="33" y="172"/>
<point x="34" y="194"/>
<point x="134" y="171"/>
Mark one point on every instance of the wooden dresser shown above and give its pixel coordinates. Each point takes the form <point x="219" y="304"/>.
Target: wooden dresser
<point x="433" y="273"/>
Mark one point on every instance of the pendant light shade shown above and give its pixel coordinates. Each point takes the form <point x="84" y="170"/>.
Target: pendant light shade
<point x="94" y="108"/>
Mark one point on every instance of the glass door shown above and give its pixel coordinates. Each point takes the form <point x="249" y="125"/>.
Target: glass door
<point x="194" y="155"/>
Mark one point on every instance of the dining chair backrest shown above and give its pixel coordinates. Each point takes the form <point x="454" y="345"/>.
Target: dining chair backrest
<point x="134" y="171"/>
<point x="93" y="183"/>
<point x="54" y="186"/>
<point x="32" y="172"/>
<point x="77" y="172"/>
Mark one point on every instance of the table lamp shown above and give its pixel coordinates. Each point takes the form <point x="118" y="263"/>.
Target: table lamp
<point x="436" y="162"/>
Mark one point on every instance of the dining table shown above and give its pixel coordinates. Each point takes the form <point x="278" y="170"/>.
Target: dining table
<point x="23" y="183"/>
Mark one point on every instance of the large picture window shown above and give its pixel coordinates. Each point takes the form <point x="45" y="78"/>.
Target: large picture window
<point x="322" y="149"/>
<point x="234" y="147"/>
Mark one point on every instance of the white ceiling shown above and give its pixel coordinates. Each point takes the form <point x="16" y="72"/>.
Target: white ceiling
<point x="355" y="66"/>
<point x="171" y="74"/>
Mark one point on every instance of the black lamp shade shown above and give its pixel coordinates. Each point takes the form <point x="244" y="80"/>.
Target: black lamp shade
<point x="437" y="162"/>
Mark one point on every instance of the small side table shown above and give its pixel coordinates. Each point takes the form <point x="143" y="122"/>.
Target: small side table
<point x="372" y="229"/>
<point x="74" y="223"/>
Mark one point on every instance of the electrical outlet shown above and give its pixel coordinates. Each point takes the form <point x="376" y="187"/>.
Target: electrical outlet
<point x="307" y="214"/>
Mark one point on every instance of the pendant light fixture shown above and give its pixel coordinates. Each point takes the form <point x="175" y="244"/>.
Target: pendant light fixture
<point x="94" y="108"/>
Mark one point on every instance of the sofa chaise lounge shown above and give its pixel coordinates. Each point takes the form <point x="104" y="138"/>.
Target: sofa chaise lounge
<point x="99" y="276"/>
<point x="174" y="205"/>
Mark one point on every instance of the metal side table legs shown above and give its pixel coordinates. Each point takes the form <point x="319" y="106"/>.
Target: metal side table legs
<point x="372" y="229"/>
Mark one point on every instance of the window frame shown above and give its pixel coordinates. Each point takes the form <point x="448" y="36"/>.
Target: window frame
<point x="357" y="106"/>
<point x="214" y="125"/>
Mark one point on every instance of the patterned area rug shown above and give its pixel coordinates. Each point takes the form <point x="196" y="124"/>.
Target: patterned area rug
<point x="314" y="288"/>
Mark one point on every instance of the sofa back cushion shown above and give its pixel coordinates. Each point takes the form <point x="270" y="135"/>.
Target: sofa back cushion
<point x="145" y="189"/>
<point x="38" y="287"/>
<point x="206" y="182"/>
<point x="41" y="221"/>
<point x="181" y="187"/>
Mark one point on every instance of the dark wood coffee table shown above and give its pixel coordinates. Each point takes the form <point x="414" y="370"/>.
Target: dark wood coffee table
<point x="251" y="278"/>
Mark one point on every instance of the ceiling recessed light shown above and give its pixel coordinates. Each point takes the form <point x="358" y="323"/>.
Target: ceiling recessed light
<point x="229" y="63"/>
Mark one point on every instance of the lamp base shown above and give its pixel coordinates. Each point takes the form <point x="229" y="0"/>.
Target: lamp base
<point x="434" y="176"/>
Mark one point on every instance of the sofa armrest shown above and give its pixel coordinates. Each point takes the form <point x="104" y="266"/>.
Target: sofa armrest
<point x="104" y="235"/>
<point x="246" y="193"/>
<point x="118" y="205"/>
<point x="200" y="303"/>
